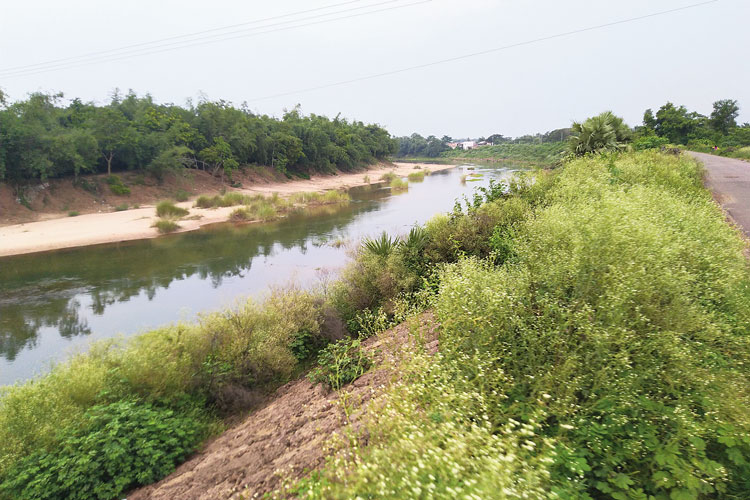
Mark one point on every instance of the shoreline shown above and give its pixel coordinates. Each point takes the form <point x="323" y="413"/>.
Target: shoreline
<point x="65" y="232"/>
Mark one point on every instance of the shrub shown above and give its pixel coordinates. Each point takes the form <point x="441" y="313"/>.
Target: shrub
<point x="116" y="185"/>
<point x="119" y="446"/>
<point x="388" y="176"/>
<point x="599" y="134"/>
<point x="340" y="363"/>
<point x="169" y="209"/>
<point x="240" y="214"/>
<point x="181" y="195"/>
<point x="650" y="142"/>
<point x="73" y="213"/>
<point x="122" y="207"/>
<point x="399" y="185"/>
<point x="204" y="201"/>
<point x="165" y="226"/>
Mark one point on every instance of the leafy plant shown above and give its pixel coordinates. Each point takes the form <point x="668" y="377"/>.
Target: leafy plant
<point x="181" y="195"/>
<point x="340" y="363"/>
<point x="599" y="134"/>
<point x="122" y="207"/>
<point x="118" y="447"/>
<point x="382" y="246"/>
<point x="73" y="213"/>
<point x="399" y="185"/>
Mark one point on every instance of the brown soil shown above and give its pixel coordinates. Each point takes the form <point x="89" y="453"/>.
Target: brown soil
<point x="286" y="439"/>
<point x="91" y="194"/>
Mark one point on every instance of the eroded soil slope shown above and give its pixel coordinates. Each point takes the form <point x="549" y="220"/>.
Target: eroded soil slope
<point x="287" y="437"/>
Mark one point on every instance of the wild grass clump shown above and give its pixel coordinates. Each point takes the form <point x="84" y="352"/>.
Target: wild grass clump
<point x="313" y="198"/>
<point x="165" y="226"/>
<point x="399" y="185"/>
<point x="389" y="177"/>
<point x="366" y="179"/>
<point x="416" y="176"/>
<point x="241" y="214"/>
<point x="74" y="213"/>
<point x="169" y="209"/>
<point x="122" y="207"/>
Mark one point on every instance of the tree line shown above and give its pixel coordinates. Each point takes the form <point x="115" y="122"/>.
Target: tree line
<point x="416" y="145"/>
<point x="42" y="138"/>
<point x="678" y="125"/>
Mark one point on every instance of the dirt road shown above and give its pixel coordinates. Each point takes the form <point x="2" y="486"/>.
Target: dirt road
<point x="729" y="179"/>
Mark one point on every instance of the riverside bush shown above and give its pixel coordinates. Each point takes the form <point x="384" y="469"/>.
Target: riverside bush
<point x="119" y="446"/>
<point x="167" y="209"/>
<point x="607" y="358"/>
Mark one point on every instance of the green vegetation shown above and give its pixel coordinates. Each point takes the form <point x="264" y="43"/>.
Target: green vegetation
<point x="165" y="226"/>
<point x="157" y="394"/>
<point x="593" y="345"/>
<point x="544" y="153"/>
<point x="331" y="197"/>
<point x="116" y="186"/>
<point x="73" y="213"/>
<point x="119" y="446"/>
<point x="169" y="209"/>
<point x="181" y="195"/>
<point x="718" y="133"/>
<point x="416" y="176"/>
<point x="399" y="185"/>
<point x="599" y="134"/>
<point x="40" y="138"/>
<point x="388" y="176"/>
<point x="340" y="363"/>
<point x="121" y="207"/>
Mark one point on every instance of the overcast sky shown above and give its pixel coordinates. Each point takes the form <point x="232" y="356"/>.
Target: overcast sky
<point x="691" y="57"/>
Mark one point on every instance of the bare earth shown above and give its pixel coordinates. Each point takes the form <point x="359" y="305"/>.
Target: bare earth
<point x="135" y="224"/>
<point x="729" y="179"/>
<point x="286" y="439"/>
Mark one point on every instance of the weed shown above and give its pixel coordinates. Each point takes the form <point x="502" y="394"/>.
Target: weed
<point x="169" y="209"/>
<point x="181" y="195"/>
<point x="340" y="363"/>
<point x="388" y="177"/>
<point x="416" y="176"/>
<point x="165" y="226"/>
<point x="399" y="185"/>
<point x="73" y="213"/>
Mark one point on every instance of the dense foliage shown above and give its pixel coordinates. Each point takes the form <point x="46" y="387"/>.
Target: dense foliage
<point x="677" y="125"/>
<point x="41" y="137"/>
<point x="594" y="344"/>
<point x="119" y="446"/>
<point x="599" y="134"/>
<point x="543" y="153"/>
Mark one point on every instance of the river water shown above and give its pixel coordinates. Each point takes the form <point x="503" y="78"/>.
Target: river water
<point x="54" y="304"/>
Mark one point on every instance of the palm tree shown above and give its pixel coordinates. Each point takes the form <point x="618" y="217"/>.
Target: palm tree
<point x="599" y="134"/>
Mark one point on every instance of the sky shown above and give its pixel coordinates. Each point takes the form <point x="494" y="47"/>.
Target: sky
<point x="690" y="57"/>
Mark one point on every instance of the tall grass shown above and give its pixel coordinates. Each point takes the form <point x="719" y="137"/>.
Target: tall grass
<point x="399" y="185"/>
<point x="169" y="209"/>
<point x="221" y="362"/>
<point x="313" y="198"/>
<point x="416" y="176"/>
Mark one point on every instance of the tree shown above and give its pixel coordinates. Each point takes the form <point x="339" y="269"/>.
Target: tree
<point x="724" y="116"/>
<point x="219" y="157"/>
<point x="649" y="121"/>
<point x="599" y="134"/>
<point x="676" y="123"/>
<point x="112" y="132"/>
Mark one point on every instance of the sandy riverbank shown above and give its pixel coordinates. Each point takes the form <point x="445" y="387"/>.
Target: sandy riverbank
<point x="135" y="224"/>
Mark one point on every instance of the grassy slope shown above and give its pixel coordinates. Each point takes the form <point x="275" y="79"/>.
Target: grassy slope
<point x="605" y="358"/>
<point x="594" y="343"/>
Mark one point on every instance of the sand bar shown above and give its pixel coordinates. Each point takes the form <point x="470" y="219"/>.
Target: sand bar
<point x="135" y="224"/>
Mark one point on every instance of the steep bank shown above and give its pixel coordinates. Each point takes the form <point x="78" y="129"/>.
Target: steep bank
<point x="61" y="231"/>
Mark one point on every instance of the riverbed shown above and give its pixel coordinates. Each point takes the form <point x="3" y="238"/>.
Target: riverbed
<point x="56" y="303"/>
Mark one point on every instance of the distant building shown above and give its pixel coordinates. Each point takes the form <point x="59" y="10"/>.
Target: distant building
<point x="468" y="145"/>
<point x="453" y="145"/>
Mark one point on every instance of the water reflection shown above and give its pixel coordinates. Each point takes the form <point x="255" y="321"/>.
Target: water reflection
<point x="50" y="302"/>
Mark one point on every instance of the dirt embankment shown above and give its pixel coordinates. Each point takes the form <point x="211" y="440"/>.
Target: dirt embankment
<point x="50" y="227"/>
<point x="286" y="439"/>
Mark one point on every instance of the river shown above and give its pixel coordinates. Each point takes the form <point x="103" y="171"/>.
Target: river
<point x="55" y="303"/>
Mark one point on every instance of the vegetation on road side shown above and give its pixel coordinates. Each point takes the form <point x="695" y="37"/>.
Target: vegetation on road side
<point x="593" y="344"/>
